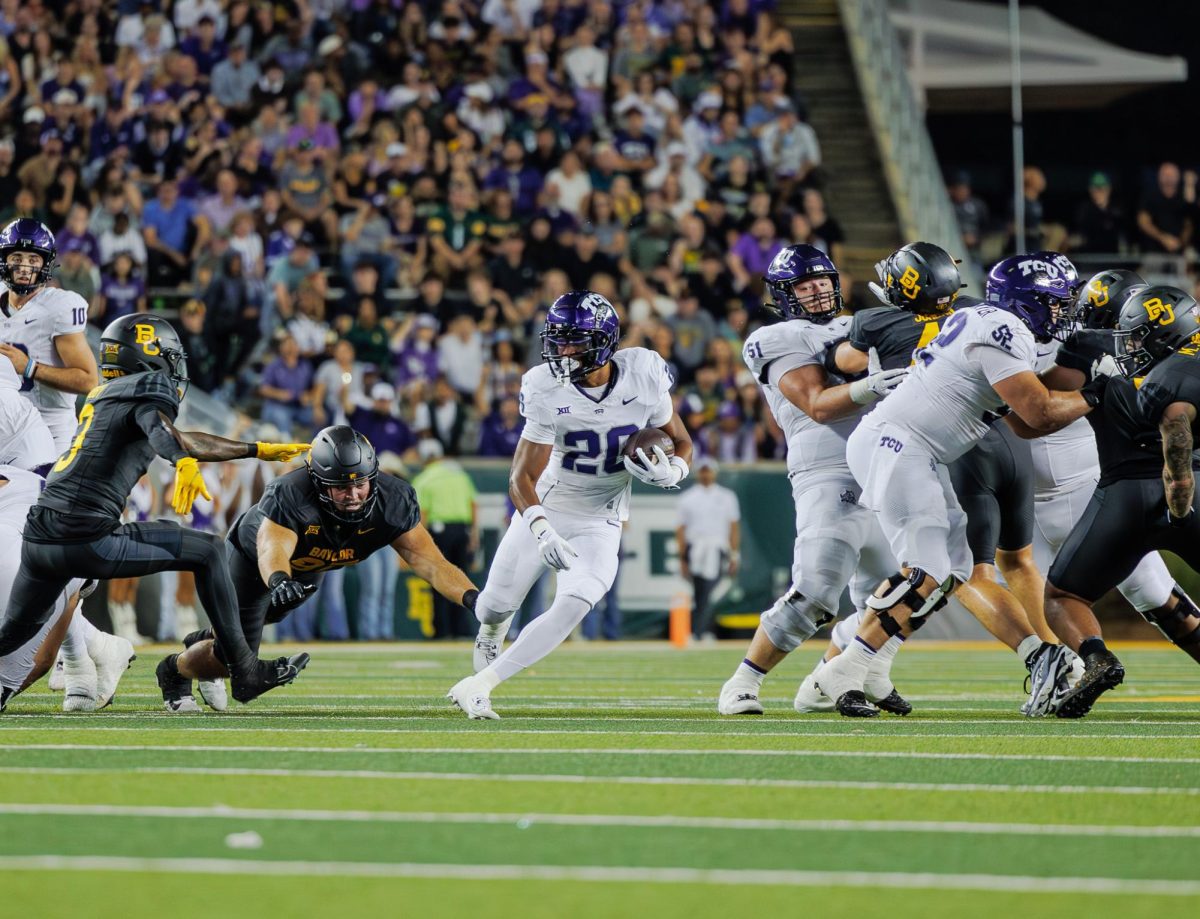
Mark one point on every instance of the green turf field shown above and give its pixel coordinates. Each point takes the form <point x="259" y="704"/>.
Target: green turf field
<point x="609" y="788"/>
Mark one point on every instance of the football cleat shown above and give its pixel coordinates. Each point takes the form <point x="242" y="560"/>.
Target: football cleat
<point x="893" y="703"/>
<point x="214" y="694"/>
<point x="112" y="656"/>
<point x="176" y="688"/>
<point x="738" y="698"/>
<point x="809" y="698"/>
<point x="1102" y="672"/>
<point x="57" y="681"/>
<point x="854" y="704"/>
<point x="1049" y="667"/>
<point x="267" y="676"/>
<point x="473" y="697"/>
<point x="79" y="692"/>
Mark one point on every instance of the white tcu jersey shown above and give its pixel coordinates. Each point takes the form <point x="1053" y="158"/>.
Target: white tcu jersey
<point x="20" y="494"/>
<point x="770" y="353"/>
<point x="943" y="401"/>
<point x="51" y="312"/>
<point x="1067" y="459"/>
<point x="585" y="474"/>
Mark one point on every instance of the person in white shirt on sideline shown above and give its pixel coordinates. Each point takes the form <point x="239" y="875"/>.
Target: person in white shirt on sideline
<point x="708" y="537"/>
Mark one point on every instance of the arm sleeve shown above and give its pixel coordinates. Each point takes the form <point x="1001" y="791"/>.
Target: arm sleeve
<point x="159" y="435"/>
<point x="859" y="333"/>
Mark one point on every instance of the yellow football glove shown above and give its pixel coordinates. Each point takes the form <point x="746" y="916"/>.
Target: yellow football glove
<point x="189" y="485"/>
<point x="281" y="453"/>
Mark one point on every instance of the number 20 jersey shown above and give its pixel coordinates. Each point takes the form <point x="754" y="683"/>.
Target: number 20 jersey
<point x="51" y="312"/>
<point x="773" y="351"/>
<point x="588" y="430"/>
<point x="943" y="401"/>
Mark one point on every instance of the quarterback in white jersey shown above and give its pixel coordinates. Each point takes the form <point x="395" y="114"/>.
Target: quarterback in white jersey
<point x="42" y="328"/>
<point x="570" y="484"/>
<point x="838" y="542"/>
<point x="983" y="359"/>
<point x="1066" y="466"/>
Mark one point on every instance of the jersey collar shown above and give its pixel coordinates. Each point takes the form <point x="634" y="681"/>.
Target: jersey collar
<point x="612" y="382"/>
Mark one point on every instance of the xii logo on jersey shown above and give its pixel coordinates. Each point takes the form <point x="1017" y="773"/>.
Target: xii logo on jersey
<point x="1158" y="311"/>
<point x="313" y="530"/>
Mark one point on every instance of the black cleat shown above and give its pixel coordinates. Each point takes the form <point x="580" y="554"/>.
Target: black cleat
<point x="854" y="704"/>
<point x="894" y="703"/>
<point x="267" y="676"/>
<point x="1102" y="672"/>
<point x="176" y="689"/>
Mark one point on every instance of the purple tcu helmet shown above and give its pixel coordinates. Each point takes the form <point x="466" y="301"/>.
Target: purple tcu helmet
<point x="803" y="263"/>
<point x="27" y="235"/>
<point x="1037" y="294"/>
<point x="1057" y="262"/>
<point x="586" y="323"/>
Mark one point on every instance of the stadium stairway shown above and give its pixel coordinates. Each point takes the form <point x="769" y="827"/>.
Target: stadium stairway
<point x="855" y="186"/>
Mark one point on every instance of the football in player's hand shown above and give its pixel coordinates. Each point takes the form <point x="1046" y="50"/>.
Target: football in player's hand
<point x="647" y="439"/>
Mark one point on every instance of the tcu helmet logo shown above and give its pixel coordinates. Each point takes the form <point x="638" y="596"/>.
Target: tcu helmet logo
<point x="1037" y="266"/>
<point x="1157" y="311"/>
<point x="908" y="283"/>
<point x="146" y="338"/>
<point x="782" y="261"/>
<point x="1097" y="294"/>
<point x="597" y="306"/>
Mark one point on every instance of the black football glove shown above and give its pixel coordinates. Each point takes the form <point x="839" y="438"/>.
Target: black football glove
<point x="288" y="593"/>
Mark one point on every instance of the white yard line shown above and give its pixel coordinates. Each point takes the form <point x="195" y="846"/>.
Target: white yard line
<point x="230" y="725"/>
<point x="492" y="778"/>
<point x="526" y="820"/>
<point x="897" y="880"/>
<point x="162" y="746"/>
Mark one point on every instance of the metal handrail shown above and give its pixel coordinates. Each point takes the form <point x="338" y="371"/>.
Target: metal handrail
<point x="898" y="123"/>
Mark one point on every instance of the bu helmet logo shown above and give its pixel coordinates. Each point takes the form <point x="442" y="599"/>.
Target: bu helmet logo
<point x="1097" y="293"/>
<point x="908" y="283"/>
<point x="1158" y="311"/>
<point x="146" y="338"/>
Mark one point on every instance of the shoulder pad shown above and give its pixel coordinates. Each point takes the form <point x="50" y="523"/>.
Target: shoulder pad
<point x="772" y="342"/>
<point x="156" y="386"/>
<point x="538" y="379"/>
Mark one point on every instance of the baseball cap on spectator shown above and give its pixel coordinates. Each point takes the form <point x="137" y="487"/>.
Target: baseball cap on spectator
<point x="676" y="148"/>
<point x="424" y="320"/>
<point x="708" y="100"/>
<point x="33" y="114"/>
<point x="305" y="146"/>
<point x="480" y="91"/>
<point x="397" y="149"/>
<point x="305" y="239"/>
<point x="729" y="410"/>
<point x="50" y="134"/>
<point x="65" y="96"/>
<point x="961" y="177"/>
<point x="536" y="57"/>
<point x="1100" y="180"/>
<point x="73" y="244"/>
<point x="706" y="462"/>
<point x="383" y="391"/>
<point x="783" y="105"/>
<point x="158" y="97"/>
<point x="329" y="44"/>
<point x="429" y="449"/>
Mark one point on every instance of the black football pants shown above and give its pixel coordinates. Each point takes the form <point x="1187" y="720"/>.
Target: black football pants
<point x="130" y="551"/>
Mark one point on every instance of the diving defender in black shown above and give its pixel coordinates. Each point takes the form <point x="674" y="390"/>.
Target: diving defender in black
<point x="1145" y="499"/>
<point x="332" y="514"/>
<point x="74" y="530"/>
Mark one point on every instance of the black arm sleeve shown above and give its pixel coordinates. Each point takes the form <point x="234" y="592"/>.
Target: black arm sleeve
<point x="830" y="360"/>
<point x="159" y="435"/>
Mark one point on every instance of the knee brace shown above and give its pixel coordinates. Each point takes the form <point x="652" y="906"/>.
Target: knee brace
<point x="792" y="619"/>
<point x="903" y="590"/>
<point x="1173" y="623"/>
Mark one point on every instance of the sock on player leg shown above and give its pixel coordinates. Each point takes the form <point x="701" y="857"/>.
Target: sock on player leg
<point x="1029" y="644"/>
<point x="74" y="645"/>
<point x="750" y="673"/>
<point x="537" y="639"/>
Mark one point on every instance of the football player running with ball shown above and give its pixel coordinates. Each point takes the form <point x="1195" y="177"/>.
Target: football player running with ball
<point x="983" y="358"/>
<point x="570" y="483"/>
<point x="838" y="541"/>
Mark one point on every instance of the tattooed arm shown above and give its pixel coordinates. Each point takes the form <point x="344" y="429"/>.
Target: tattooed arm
<point x="1179" y="483"/>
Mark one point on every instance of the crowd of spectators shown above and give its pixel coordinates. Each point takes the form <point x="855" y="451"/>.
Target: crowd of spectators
<point x="360" y="209"/>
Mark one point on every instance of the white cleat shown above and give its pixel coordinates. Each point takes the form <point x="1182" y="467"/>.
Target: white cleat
<point x="57" y="681"/>
<point x="79" y="692"/>
<point x="112" y="656"/>
<point x="184" y="705"/>
<point x="810" y="699"/>
<point x="473" y="697"/>
<point x="490" y="642"/>
<point x="738" y="698"/>
<point x="214" y="694"/>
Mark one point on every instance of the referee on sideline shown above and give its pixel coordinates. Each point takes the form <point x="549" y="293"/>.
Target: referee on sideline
<point x="708" y="537"/>
<point x="450" y="512"/>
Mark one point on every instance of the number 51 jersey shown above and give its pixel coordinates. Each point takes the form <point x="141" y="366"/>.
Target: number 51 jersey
<point x="588" y="429"/>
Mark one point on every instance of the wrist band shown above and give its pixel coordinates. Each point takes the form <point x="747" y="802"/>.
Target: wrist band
<point x="30" y="369"/>
<point x="469" y="598"/>
<point x="532" y="513"/>
<point x="277" y="578"/>
<point x="682" y="465"/>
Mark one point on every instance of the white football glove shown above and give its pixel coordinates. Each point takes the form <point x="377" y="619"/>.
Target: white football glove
<point x="1105" y="366"/>
<point x="668" y="472"/>
<point x="878" y="383"/>
<point x="555" y="551"/>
